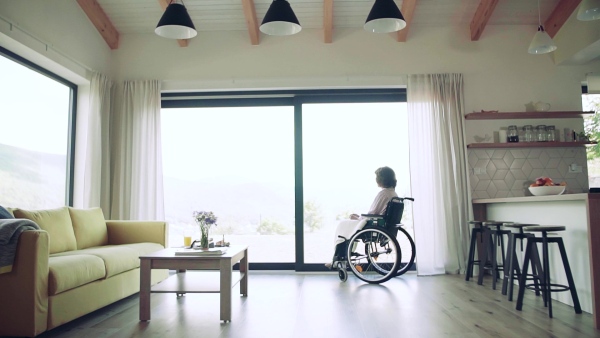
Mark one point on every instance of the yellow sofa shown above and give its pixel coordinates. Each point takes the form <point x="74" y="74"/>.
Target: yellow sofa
<point x="77" y="263"/>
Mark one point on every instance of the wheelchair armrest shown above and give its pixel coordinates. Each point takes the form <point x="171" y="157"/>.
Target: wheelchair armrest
<point x="372" y="215"/>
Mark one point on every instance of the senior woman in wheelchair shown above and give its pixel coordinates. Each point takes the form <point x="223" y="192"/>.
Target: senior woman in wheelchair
<point x="386" y="180"/>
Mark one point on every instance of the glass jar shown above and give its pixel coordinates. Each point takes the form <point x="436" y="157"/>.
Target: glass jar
<point x="550" y="134"/>
<point x="512" y="134"/>
<point x="528" y="133"/>
<point x="541" y="133"/>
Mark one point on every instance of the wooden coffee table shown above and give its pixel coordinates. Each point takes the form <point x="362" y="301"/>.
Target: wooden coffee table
<point x="193" y="282"/>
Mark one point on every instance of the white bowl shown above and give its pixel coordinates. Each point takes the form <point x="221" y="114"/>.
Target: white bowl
<point x="547" y="190"/>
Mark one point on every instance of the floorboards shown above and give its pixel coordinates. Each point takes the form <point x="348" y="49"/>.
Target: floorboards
<point x="286" y="304"/>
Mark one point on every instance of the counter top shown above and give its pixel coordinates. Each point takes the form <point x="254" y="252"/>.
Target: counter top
<point x="549" y="198"/>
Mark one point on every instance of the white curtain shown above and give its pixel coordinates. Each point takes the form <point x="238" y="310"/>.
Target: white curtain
<point x="136" y="155"/>
<point x="96" y="176"/>
<point x="438" y="172"/>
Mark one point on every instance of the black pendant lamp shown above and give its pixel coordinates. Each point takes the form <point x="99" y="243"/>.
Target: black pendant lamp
<point x="385" y="17"/>
<point x="280" y="19"/>
<point x="176" y="23"/>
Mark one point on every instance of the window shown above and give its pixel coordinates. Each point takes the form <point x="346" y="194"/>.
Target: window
<point x="279" y="168"/>
<point x="237" y="162"/>
<point x="591" y="102"/>
<point x="35" y="142"/>
<point x="343" y="144"/>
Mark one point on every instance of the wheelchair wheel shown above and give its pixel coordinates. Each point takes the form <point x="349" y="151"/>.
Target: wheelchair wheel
<point x="373" y="255"/>
<point x="407" y="247"/>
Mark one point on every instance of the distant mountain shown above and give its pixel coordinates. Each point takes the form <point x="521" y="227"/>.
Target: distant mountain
<point x="233" y="202"/>
<point x="31" y="179"/>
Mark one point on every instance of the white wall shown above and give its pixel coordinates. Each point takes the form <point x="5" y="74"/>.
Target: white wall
<point x="56" y="34"/>
<point x="499" y="73"/>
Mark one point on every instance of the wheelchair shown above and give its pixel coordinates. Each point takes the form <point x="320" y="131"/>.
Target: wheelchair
<point x="379" y="251"/>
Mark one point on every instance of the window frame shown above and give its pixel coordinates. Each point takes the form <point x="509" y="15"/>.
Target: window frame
<point x="72" y="119"/>
<point x="295" y="98"/>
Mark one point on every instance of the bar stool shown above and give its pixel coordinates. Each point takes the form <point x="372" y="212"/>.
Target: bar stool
<point x="512" y="266"/>
<point x="475" y="245"/>
<point x="546" y="285"/>
<point x="493" y="235"/>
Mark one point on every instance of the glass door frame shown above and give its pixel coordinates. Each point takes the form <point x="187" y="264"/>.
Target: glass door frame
<point x="295" y="98"/>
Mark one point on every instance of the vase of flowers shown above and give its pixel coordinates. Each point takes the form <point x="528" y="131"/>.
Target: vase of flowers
<point x="205" y="220"/>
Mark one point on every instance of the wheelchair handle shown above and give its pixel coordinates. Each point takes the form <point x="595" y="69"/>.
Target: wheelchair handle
<point x="407" y="198"/>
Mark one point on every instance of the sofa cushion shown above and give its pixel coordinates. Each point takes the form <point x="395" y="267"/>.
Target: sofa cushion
<point x="89" y="227"/>
<point x="70" y="271"/>
<point x="57" y="222"/>
<point x="118" y="258"/>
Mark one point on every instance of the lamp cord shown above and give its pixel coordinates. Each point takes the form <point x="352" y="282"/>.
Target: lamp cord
<point x="539" y="15"/>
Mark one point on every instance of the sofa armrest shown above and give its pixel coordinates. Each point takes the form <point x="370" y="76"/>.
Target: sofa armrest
<point x="24" y="290"/>
<point x="127" y="232"/>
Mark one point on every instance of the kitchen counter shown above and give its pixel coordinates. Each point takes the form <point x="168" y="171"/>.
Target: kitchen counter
<point x="580" y="214"/>
<point x="564" y="197"/>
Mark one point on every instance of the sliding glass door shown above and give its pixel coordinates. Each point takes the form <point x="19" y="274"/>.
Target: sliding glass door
<point x="280" y="170"/>
<point x="237" y="162"/>
<point x="343" y="145"/>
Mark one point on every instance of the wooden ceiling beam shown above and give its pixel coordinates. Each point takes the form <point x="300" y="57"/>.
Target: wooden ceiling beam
<point x="328" y="21"/>
<point x="164" y="4"/>
<point x="408" y="11"/>
<point x="559" y="16"/>
<point x="481" y="17"/>
<point x="251" y="21"/>
<point x="96" y="14"/>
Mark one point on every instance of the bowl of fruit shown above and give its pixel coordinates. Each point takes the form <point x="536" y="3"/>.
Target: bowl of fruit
<point x="544" y="186"/>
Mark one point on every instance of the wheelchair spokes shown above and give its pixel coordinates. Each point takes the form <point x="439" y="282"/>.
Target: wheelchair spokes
<point x="373" y="255"/>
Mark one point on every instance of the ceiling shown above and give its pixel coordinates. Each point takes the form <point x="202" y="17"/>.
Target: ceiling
<point x="117" y="17"/>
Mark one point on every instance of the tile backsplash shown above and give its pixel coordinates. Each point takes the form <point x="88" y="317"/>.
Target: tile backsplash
<point x="495" y="173"/>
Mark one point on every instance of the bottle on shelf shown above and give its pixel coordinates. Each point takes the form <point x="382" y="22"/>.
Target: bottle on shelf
<point x="528" y="133"/>
<point x="513" y="134"/>
<point x="541" y="133"/>
<point x="550" y="134"/>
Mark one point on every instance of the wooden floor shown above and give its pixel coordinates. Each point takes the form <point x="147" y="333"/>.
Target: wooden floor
<point x="286" y="304"/>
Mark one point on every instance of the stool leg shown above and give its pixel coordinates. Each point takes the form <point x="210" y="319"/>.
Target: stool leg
<point x="546" y="286"/>
<point x="471" y="260"/>
<point x="563" y="254"/>
<point x="508" y="275"/>
<point x="515" y="271"/>
<point x="523" y="276"/>
<point x="483" y="260"/>
<point x="536" y="270"/>
<point x="495" y="273"/>
<point x="502" y="253"/>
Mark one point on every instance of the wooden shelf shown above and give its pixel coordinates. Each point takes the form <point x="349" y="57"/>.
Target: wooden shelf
<point x="527" y="115"/>
<point x="529" y="145"/>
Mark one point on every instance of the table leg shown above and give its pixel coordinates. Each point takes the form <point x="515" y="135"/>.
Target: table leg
<point x="145" y="289"/>
<point x="244" y="271"/>
<point x="225" y="289"/>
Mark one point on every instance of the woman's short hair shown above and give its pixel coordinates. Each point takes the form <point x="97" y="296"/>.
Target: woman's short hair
<point x="385" y="177"/>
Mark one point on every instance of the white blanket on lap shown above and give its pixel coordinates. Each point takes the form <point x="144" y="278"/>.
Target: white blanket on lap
<point x="346" y="228"/>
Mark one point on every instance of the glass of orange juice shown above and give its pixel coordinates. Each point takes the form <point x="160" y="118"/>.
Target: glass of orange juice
<point x="187" y="238"/>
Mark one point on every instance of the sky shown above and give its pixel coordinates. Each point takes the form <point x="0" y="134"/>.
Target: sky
<point x="28" y="98"/>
